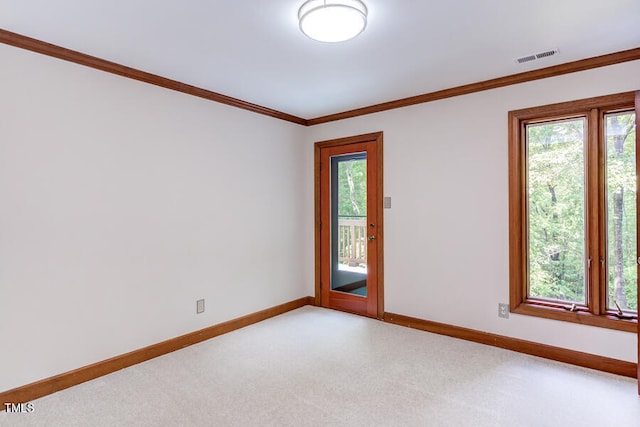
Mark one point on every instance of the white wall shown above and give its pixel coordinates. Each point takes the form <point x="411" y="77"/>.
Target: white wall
<point x="446" y="235"/>
<point x="122" y="203"/>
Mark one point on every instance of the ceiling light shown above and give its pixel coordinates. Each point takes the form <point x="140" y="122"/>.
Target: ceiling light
<point x="332" y="20"/>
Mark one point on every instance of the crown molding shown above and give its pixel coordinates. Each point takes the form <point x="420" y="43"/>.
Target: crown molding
<point x="34" y="45"/>
<point x="59" y="52"/>
<point x="542" y="73"/>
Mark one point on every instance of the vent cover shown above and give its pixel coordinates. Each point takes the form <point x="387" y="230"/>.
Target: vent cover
<point x="536" y="56"/>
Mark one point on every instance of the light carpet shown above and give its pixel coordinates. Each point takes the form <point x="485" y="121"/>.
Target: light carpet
<point x="318" y="367"/>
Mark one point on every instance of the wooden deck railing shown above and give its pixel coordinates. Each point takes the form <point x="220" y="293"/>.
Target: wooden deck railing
<point x="352" y="241"/>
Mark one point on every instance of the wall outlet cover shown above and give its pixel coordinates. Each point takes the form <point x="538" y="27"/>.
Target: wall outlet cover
<point x="503" y="310"/>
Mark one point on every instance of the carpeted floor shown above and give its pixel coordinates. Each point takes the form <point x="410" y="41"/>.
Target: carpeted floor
<point x="317" y="367"/>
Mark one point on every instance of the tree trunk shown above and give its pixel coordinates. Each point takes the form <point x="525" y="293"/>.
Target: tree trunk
<point x="554" y="237"/>
<point x="352" y="190"/>
<point x="619" y="136"/>
<point x="618" y="265"/>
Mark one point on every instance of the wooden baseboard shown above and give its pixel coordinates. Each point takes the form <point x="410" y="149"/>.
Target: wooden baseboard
<point x="586" y="360"/>
<point x="51" y="385"/>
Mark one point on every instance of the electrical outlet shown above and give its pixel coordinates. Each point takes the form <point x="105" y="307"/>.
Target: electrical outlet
<point x="387" y="202"/>
<point x="503" y="310"/>
<point x="200" y="306"/>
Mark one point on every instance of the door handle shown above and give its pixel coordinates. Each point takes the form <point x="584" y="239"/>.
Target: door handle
<point x="371" y="237"/>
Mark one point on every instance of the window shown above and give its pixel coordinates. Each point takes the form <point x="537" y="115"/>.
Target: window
<point x="572" y="209"/>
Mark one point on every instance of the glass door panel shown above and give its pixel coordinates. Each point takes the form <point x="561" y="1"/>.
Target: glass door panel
<point x="349" y="223"/>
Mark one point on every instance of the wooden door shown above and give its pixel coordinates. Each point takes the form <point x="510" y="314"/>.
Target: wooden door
<point x="349" y="224"/>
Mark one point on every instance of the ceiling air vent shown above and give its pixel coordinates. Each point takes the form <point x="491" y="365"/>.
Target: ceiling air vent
<point x="535" y="56"/>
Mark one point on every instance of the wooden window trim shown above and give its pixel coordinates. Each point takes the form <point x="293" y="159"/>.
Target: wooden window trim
<point x="595" y="313"/>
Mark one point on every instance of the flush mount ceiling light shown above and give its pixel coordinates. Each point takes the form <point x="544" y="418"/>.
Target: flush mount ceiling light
<point x="332" y="20"/>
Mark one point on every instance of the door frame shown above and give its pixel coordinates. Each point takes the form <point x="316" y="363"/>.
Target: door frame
<point x="637" y="108"/>
<point x="375" y="137"/>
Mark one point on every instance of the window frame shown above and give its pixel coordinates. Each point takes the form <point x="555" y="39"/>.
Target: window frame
<point x="595" y="312"/>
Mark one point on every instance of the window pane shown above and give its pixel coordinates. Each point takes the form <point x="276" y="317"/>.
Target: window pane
<point x="556" y="210"/>
<point x="621" y="210"/>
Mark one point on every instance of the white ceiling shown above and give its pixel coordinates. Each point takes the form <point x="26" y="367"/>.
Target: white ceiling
<point x="253" y="49"/>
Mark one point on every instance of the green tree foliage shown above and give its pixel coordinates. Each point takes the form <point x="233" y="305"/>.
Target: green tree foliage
<point x="352" y="188"/>
<point x="556" y="172"/>
<point x="621" y="207"/>
<point x="556" y="210"/>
